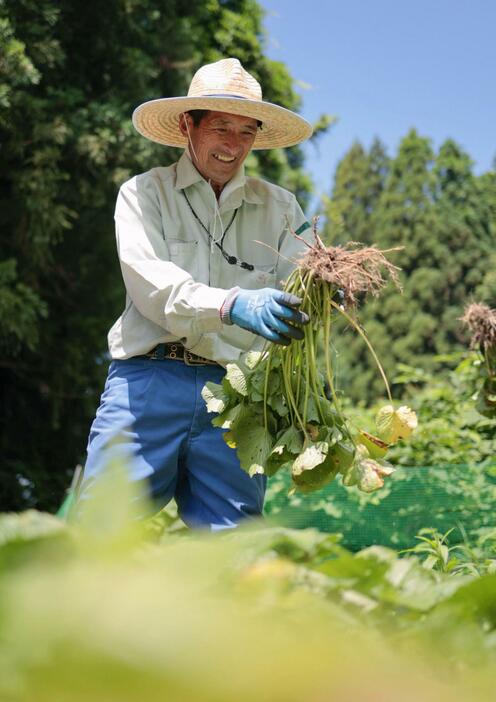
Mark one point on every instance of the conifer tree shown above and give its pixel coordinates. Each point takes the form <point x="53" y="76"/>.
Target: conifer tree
<point x="440" y="213"/>
<point x="358" y="183"/>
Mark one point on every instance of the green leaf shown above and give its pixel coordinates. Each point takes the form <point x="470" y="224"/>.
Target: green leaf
<point x="291" y="439"/>
<point x="215" y="397"/>
<point x="278" y="404"/>
<point x="230" y="439"/>
<point x="257" y="380"/>
<point x="256" y="396"/>
<point x="343" y="456"/>
<point x="375" y="446"/>
<point x="252" y="358"/>
<point x="315" y="477"/>
<point x="284" y="451"/>
<point x="312" y="411"/>
<point x="229" y="417"/>
<point x="257" y="383"/>
<point x="393" y="425"/>
<point x="254" y="444"/>
<point x="237" y="379"/>
<point x="313" y="455"/>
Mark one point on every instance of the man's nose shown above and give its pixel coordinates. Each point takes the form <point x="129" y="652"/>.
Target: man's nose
<point x="232" y="142"/>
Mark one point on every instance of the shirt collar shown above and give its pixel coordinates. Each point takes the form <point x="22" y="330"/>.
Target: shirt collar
<point x="234" y="192"/>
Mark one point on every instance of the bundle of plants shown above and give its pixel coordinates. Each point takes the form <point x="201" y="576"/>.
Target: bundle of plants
<point x="281" y="407"/>
<point x="481" y="321"/>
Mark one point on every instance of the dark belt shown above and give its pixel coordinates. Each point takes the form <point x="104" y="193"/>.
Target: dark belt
<point x="177" y="352"/>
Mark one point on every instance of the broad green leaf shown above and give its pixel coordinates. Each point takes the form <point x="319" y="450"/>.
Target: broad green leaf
<point x="230" y="416"/>
<point x="351" y="476"/>
<point x="368" y="478"/>
<point x="256" y="396"/>
<point x="254" y="444"/>
<point x="257" y="380"/>
<point x="393" y="425"/>
<point x="237" y="379"/>
<point x="230" y="439"/>
<point x="313" y="455"/>
<point x="317" y="478"/>
<point x="251" y="359"/>
<point x="291" y="439"/>
<point x="230" y="392"/>
<point x="330" y="435"/>
<point x="331" y="417"/>
<point x="375" y="446"/>
<point x="312" y="411"/>
<point x="284" y="451"/>
<point x="343" y="456"/>
<point x="215" y="397"/>
<point x="278" y="404"/>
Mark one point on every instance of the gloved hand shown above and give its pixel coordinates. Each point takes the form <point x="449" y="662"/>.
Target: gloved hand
<point x="267" y="312"/>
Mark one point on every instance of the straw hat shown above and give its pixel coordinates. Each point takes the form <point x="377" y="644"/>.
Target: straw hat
<point x="223" y="86"/>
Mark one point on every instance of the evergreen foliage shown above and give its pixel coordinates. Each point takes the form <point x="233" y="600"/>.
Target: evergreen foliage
<point x="444" y="217"/>
<point x="70" y="75"/>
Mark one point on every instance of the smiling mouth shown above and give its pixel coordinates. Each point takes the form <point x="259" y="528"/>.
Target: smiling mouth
<point x="224" y="159"/>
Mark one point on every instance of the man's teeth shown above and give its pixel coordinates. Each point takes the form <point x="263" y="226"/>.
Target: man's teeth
<point x="226" y="159"/>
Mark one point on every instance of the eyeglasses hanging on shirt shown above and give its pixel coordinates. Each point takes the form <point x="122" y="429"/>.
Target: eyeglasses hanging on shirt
<point x="230" y="259"/>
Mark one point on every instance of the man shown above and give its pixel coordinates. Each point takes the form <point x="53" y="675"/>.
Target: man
<point x="202" y="250"/>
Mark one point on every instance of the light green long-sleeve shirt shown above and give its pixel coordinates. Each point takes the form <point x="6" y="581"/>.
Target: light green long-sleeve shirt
<point x="176" y="281"/>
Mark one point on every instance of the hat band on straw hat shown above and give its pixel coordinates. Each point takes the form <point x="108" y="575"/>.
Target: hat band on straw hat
<point x="158" y="120"/>
<point x="224" y="95"/>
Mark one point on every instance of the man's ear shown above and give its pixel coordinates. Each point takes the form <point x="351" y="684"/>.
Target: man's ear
<point x="184" y="120"/>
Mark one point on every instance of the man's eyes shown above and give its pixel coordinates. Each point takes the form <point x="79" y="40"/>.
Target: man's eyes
<point x="224" y="130"/>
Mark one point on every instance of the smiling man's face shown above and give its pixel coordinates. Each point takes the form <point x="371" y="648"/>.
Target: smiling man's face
<point x="219" y="144"/>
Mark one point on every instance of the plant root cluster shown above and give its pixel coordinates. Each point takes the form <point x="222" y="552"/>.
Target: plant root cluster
<point x="481" y="321"/>
<point x="353" y="268"/>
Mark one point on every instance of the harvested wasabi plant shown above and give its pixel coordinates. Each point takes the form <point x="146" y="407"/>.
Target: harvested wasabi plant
<point x="281" y="406"/>
<point x="481" y="322"/>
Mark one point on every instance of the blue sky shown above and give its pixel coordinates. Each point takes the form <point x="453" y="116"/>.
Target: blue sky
<point x="383" y="66"/>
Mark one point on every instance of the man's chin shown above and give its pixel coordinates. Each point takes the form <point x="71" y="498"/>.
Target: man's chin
<point x="222" y="176"/>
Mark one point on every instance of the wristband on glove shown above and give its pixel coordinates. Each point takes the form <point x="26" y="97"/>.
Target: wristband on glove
<point x="225" y="310"/>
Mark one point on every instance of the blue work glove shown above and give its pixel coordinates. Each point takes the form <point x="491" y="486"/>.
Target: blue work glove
<point x="269" y="313"/>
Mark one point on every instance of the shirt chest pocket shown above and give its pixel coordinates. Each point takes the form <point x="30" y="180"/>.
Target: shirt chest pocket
<point x="259" y="277"/>
<point x="229" y="276"/>
<point x="184" y="254"/>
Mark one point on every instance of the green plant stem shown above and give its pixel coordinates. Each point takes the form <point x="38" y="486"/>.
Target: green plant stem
<point x="357" y="327"/>
<point x="327" y="355"/>
<point x="312" y="363"/>
<point x="266" y="387"/>
<point x="287" y="379"/>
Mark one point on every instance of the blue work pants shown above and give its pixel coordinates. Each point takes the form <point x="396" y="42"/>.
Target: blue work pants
<point x="154" y="409"/>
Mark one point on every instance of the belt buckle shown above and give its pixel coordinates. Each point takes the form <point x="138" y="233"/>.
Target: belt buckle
<point x="190" y="359"/>
<point x="174" y="351"/>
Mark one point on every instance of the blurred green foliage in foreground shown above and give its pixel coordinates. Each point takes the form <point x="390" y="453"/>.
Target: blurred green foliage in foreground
<point x="111" y="608"/>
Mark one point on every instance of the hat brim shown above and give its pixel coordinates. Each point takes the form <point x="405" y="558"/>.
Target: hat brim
<point x="158" y="120"/>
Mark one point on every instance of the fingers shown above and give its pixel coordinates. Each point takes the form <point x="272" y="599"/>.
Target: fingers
<point x="287" y="299"/>
<point x="272" y="335"/>
<point x="292" y="315"/>
<point x="281" y="327"/>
